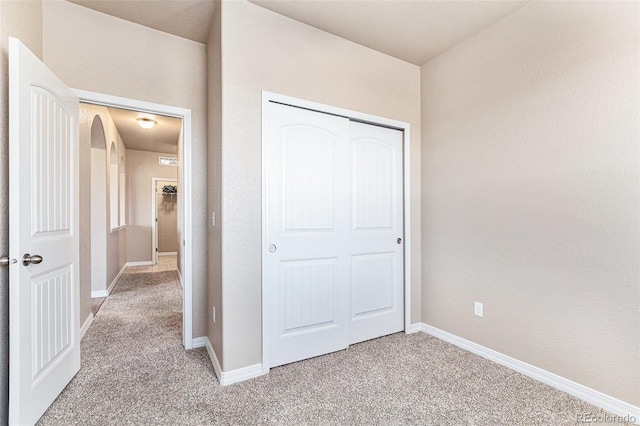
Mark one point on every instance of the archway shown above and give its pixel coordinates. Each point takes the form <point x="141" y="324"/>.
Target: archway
<point x="99" y="224"/>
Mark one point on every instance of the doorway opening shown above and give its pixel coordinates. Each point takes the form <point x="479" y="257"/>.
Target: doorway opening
<point x="165" y="220"/>
<point x="128" y="228"/>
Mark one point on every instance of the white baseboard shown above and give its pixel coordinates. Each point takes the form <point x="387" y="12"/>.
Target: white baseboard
<point x="99" y="293"/>
<point x="115" y="280"/>
<point x="199" y="342"/>
<point x="167" y="253"/>
<point x="86" y="325"/>
<point x="214" y="360"/>
<point x="181" y="283"/>
<point x="105" y="293"/>
<point x="140" y="263"/>
<point x="234" y="376"/>
<point x="415" y="327"/>
<point x="592" y="396"/>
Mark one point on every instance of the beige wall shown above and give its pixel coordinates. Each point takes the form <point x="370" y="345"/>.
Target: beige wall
<point x="142" y="167"/>
<point x="96" y="52"/>
<point x="262" y="50"/>
<point x="13" y="19"/>
<point x="214" y="57"/>
<point x="530" y="191"/>
<point x="95" y="244"/>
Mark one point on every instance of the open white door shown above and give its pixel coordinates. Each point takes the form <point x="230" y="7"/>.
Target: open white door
<point x="44" y="352"/>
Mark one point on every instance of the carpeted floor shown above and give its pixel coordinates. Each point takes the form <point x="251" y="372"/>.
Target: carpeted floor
<point x="135" y="371"/>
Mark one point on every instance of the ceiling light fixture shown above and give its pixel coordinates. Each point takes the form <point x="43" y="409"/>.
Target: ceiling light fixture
<point x="146" y="123"/>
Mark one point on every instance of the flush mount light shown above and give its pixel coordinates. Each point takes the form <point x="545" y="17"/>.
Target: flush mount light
<point x="146" y="123"/>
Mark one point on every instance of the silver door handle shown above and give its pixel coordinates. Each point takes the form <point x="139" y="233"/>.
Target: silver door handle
<point x="5" y="261"/>
<point x="27" y="259"/>
<point x="272" y="248"/>
<point x="399" y="240"/>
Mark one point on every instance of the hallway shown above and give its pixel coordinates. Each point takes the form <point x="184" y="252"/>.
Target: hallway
<point x="165" y="263"/>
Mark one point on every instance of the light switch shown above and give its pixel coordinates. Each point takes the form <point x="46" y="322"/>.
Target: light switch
<point x="213" y="219"/>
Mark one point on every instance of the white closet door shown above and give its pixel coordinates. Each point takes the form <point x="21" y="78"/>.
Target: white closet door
<point x="333" y="261"/>
<point x="307" y="246"/>
<point x="376" y="232"/>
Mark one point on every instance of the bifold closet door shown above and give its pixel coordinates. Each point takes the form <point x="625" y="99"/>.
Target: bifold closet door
<point x="333" y="261"/>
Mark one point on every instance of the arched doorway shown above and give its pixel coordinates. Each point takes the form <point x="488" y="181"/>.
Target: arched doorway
<point x="99" y="225"/>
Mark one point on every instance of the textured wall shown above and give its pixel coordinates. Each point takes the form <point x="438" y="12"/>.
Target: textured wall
<point x="214" y="95"/>
<point x="142" y="166"/>
<point x="93" y="51"/>
<point x="13" y="19"/>
<point x="530" y="191"/>
<point x="112" y="248"/>
<point x="262" y="50"/>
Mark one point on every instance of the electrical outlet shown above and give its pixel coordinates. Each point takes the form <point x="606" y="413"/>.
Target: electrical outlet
<point x="477" y="309"/>
<point x="213" y="314"/>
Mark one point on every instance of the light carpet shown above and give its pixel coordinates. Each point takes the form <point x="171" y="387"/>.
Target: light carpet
<point x="135" y="371"/>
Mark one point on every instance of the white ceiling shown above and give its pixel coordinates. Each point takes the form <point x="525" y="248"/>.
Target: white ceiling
<point x="185" y="18"/>
<point x="162" y="138"/>
<point x="412" y="30"/>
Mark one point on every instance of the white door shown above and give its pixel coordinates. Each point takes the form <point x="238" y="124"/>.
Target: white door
<point x="377" y="296"/>
<point x="333" y="268"/>
<point x="43" y="223"/>
<point x="308" y="239"/>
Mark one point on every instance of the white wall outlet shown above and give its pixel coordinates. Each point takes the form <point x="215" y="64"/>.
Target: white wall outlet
<point x="477" y="309"/>
<point x="213" y="313"/>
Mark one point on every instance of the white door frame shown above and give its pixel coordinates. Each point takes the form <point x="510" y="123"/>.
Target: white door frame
<point x="187" y="247"/>
<point x="356" y="116"/>
<point x="154" y="216"/>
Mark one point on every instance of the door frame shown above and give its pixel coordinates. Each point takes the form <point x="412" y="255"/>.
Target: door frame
<point x="154" y="216"/>
<point x="268" y="97"/>
<point x="187" y="179"/>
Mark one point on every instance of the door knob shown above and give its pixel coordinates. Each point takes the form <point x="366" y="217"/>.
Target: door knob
<point x="272" y="248"/>
<point x="27" y="259"/>
<point x="5" y="261"/>
<point x="399" y="240"/>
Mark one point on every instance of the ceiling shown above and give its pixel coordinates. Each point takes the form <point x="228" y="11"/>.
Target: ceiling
<point x="412" y="30"/>
<point x="162" y="138"/>
<point x="185" y="18"/>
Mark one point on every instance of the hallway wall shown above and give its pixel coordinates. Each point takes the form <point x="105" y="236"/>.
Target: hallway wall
<point x="114" y="250"/>
<point x="121" y="58"/>
<point x="142" y="166"/>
